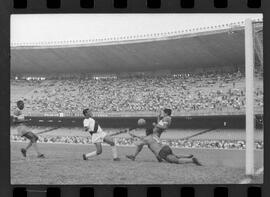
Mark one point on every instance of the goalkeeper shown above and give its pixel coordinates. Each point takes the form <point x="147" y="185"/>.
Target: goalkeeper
<point x="164" y="151"/>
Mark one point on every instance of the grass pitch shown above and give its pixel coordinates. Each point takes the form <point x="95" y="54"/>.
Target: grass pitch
<point x="64" y="165"/>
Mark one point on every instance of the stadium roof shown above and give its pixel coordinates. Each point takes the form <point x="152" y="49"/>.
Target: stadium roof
<point x="203" y="47"/>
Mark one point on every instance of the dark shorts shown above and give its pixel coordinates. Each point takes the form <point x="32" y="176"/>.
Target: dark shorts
<point x="31" y="136"/>
<point x="165" y="151"/>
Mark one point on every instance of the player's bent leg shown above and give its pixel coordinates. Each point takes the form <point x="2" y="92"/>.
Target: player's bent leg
<point x="110" y="140"/>
<point x="33" y="139"/>
<point x="196" y="161"/>
<point x="157" y="156"/>
<point x="184" y="156"/>
<point x="94" y="153"/>
<point x="99" y="148"/>
<point x="23" y="151"/>
<point x="40" y="155"/>
<point x="138" y="150"/>
<point x="185" y="160"/>
<point x="172" y="159"/>
<point x="27" y="135"/>
<point x="28" y="145"/>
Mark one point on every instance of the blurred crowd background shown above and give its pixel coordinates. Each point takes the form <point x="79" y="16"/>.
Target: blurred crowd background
<point x="175" y="143"/>
<point x="182" y="92"/>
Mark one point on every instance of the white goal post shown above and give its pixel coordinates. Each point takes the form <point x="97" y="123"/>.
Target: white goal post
<point x="249" y="77"/>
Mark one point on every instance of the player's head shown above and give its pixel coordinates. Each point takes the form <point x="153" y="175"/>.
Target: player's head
<point x="20" y="104"/>
<point x="167" y="111"/>
<point x="87" y="113"/>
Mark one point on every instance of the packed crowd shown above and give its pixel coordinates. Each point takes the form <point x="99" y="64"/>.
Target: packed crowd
<point x="175" y="143"/>
<point x="219" y="91"/>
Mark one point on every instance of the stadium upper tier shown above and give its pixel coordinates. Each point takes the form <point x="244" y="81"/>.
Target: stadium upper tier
<point x="175" y="50"/>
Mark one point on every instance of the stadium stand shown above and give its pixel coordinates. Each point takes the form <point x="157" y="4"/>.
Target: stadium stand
<point x="176" y="143"/>
<point x="182" y="92"/>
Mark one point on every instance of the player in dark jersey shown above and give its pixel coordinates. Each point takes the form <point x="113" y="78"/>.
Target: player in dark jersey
<point x="164" y="151"/>
<point x="23" y="130"/>
<point x="140" y="145"/>
<point x="163" y="122"/>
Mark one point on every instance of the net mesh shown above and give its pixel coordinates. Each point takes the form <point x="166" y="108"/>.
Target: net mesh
<point x="258" y="44"/>
<point x="258" y="58"/>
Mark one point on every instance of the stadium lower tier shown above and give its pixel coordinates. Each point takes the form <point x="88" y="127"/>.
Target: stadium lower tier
<point x="194" y="122"/>
<point x="175" y="143"/>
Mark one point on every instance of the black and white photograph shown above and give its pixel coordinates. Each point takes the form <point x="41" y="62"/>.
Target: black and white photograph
<point x="136" y="99"/>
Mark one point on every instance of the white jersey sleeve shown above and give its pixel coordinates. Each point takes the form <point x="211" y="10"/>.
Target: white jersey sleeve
<point x="90" y="124"/>
<point x="161" y="123"/>
<point x="165" y="122"/>
<point x="86" y="123"/>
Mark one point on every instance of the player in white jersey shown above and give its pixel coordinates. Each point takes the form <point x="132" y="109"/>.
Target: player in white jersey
<point x="98" y="136"/>
<point x="23" y="130"/>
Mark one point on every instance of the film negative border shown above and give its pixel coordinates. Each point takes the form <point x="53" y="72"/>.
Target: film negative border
<point x="132" y="191"/>
<point x="124" y="4"/>
<point x="141" y="6"/>
<point x="8" y="7"/>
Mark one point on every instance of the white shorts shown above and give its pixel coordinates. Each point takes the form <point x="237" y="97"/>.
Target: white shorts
<point x="98" y="137"/>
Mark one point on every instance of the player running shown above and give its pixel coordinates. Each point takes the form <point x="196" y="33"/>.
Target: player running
<point x="23" y="130"/>
<point x="98" y="136"/>
<point x="164" y="151"/>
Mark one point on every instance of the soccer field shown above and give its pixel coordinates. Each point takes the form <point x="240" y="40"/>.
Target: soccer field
<point x="64" y="165"/>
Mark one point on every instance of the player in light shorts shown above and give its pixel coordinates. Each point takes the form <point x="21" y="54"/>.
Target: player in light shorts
<point x="98" y="136"/>
<point x="23" y="130"/>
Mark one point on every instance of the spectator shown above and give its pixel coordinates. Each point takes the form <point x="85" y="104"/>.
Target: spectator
<point x="185" y="92"/>
<point x="175" y="143"/>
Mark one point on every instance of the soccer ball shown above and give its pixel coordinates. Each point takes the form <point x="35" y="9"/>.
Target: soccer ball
<point x="141" y="122"/>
